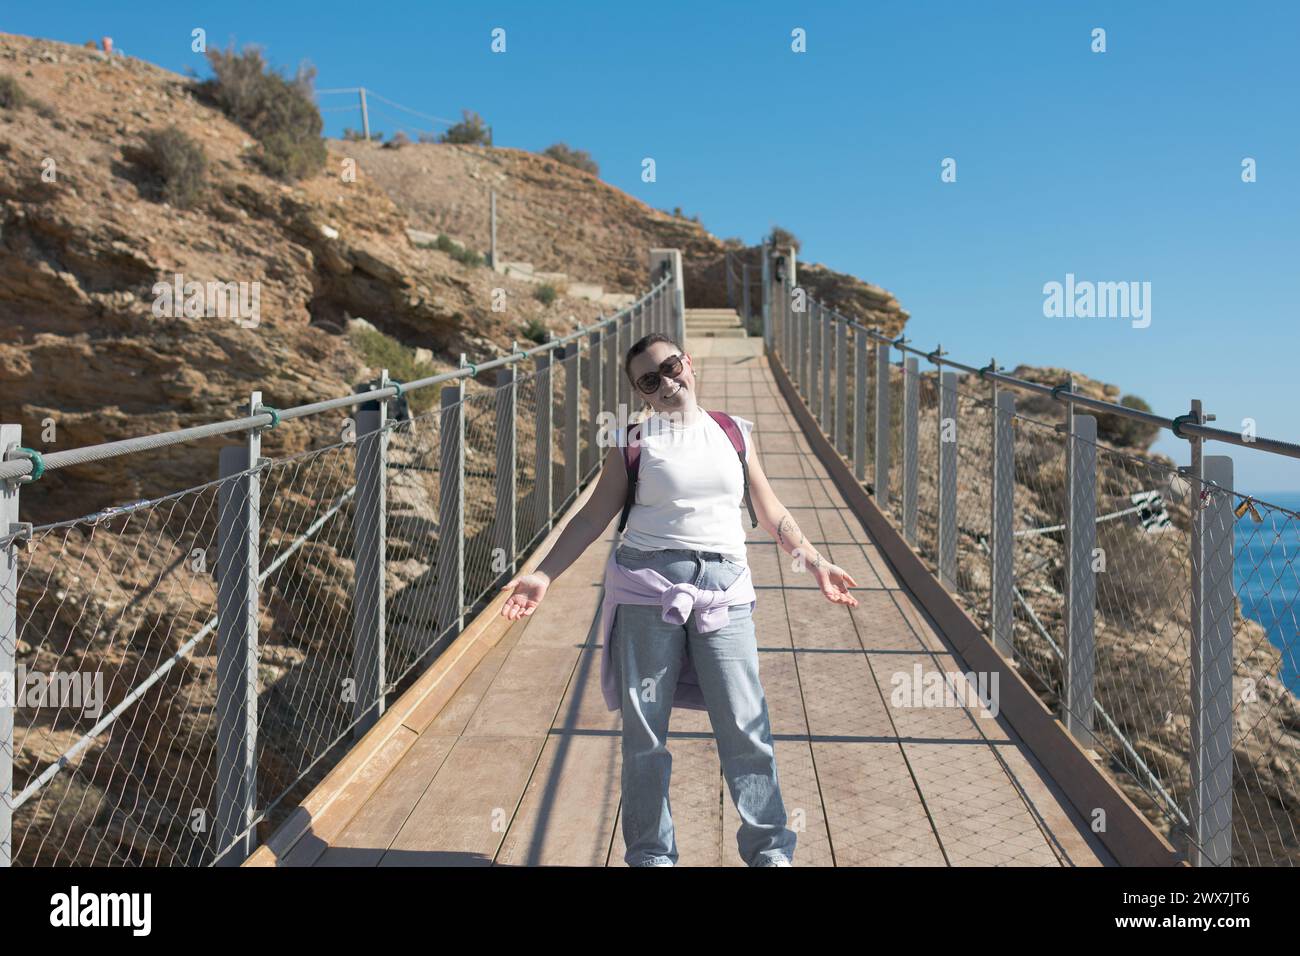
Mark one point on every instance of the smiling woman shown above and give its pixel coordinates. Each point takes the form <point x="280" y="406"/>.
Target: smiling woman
<point x="677" y="615"/>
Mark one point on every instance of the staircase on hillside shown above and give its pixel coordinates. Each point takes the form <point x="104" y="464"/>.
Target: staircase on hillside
<point x="714" y="323"/>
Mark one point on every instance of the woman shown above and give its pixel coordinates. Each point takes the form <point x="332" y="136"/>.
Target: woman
<point x="682" y="554"/>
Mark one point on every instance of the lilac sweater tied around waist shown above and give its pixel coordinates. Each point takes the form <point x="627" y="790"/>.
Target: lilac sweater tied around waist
<point x="648" y="586"/>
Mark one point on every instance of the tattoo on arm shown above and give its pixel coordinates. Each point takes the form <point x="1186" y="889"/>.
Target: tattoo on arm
<point x="790" y="538"/>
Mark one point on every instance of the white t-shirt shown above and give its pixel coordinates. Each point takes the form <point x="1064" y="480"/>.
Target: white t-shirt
<point x="690" y="487"/>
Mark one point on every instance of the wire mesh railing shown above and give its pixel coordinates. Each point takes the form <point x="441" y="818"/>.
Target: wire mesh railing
<point x="177" y="673"/>
<point x="1151" y="606"/>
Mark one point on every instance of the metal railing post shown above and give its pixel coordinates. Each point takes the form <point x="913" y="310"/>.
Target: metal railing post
<point x="815" y="359"/>
<point x="369" y="514"/>
<point x="790" y="358"/>
<point x="948" y="438"/>
<point x="859" y="405"/>
<point x="787" y="310"/>
<point x="841" y="386"/>
<point x="624" y="326"/>
<point x="610" y="393"/>
<point x="239" y="512"/>
<point x="1080" y="576"/>
<point x="746" y="305"/>
<point x="11" y="436"/>
<point x="573" y="355"/>
<point x="679" y="299"/>
<point x="505" y="539"/>
<point x="767" y="293"/>
<point x="450" y="589"/>
<point x="595" y="378"/>
<point x="882" y="425"/>
<point x="911" y="408"/>
<point x="1002" y="547"/>
<point x="828" y="358"/>
<point x="542" y="496"/>
<point x="1213" y="603"/>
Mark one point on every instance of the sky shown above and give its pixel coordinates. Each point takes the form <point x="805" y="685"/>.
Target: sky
<point x="1117" y="166"/>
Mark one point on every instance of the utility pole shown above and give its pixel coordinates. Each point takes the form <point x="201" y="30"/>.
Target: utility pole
<point x="365" y="116"/>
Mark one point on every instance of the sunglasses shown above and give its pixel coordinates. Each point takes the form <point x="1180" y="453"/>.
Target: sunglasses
<point x="649" y="382"/>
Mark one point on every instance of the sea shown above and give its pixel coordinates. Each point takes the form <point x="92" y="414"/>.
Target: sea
<point x="1267" y="572"/>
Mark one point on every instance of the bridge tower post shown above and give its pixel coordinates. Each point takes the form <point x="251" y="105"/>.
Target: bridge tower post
<point x="673" y="321"/>
<point x="1002" y="524"/>
<point x="1080" y="576"/>
<point x="948" y="438"/>
<point x="449" y="596"/>
<point x="784" y="273"/>
<point x="369" y="514"/>
<point x="11" y="436"/>
<point x="238" y="533"/>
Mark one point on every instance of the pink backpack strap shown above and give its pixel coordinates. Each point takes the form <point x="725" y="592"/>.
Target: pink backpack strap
<point x="632" y="460"/>
<point x="737" y="442"/>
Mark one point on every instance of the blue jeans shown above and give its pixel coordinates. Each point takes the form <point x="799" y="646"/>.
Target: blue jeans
<point x="648" y="651"/>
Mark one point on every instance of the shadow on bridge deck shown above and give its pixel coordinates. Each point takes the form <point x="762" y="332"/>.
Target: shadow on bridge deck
<point x="505" y="754"/>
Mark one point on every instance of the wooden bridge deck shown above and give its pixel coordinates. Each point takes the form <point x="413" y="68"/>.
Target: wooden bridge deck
<point x="520" y="765"/>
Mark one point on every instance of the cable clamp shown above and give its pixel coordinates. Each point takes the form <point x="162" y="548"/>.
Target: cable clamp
<point x="32" y="455"/>
<point x="986" y="369"/>
<point x="397" y="385"/>
<point x="1189" y="418"/>
<point x="268" y="410"/>
<point x="1056" y="391"/>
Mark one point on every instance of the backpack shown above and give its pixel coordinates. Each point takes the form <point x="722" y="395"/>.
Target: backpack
<point x="632" y="459"/>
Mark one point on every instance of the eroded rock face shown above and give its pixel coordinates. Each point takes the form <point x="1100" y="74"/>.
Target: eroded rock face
<point x="84" y="246"/>
<point x="565" y="220"/>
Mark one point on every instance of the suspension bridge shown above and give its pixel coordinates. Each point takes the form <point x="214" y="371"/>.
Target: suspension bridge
<point x="1056" y="659"/>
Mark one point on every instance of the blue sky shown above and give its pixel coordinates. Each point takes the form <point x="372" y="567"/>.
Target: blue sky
<point x="1115" y="166"/>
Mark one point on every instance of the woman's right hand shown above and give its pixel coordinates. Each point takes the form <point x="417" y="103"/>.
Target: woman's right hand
<point x="529" y="591"/>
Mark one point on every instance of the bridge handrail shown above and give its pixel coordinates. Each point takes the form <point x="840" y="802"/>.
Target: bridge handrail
<point x="19" y="468"/>
<point x="1179" y="427"/>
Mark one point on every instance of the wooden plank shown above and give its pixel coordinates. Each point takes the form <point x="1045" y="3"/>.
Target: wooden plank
<point x="874" y="816"/>
<point x="977" y="814"/>
<point x="353" y="795"/>
<point x="371" y="831"/>
<point x="570" y="808"/>
<point x="462" y="818"/>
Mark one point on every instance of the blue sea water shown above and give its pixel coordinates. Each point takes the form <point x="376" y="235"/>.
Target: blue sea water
<point x="1267" y="572"/>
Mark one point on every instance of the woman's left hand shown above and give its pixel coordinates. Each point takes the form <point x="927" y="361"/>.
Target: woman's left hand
<point x="834" y="582"/>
